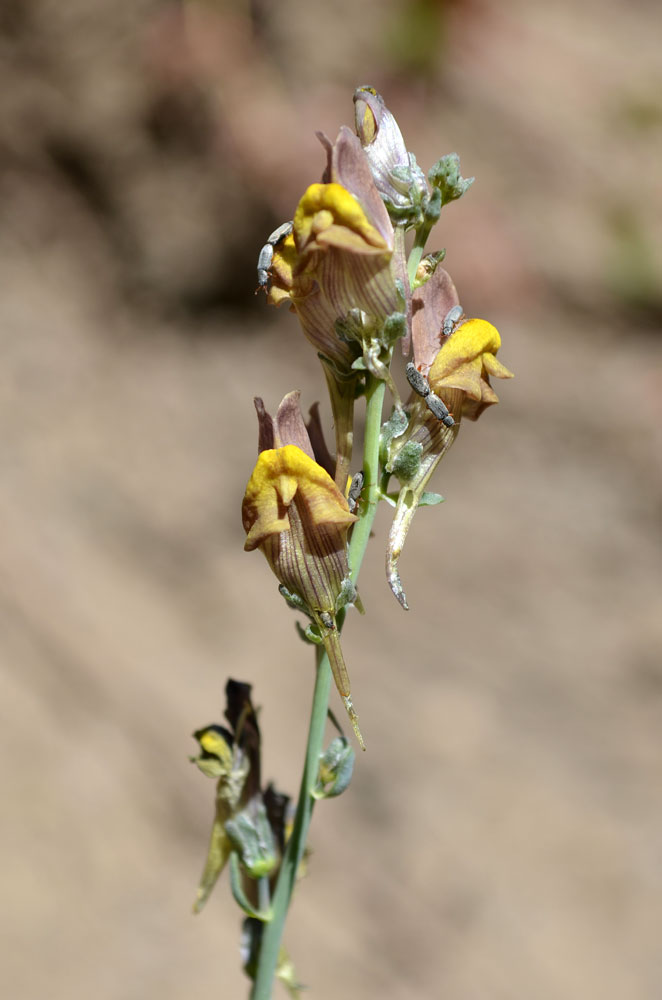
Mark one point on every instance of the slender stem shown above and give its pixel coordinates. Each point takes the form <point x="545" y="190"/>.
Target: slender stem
<point x="430" y="219"/>
<point x="272" y="931"/>
<point x="263" y="894"/>
<point x="420" y="240"/>
<point x="375" y="391"/>
<point x="415" y="257"/>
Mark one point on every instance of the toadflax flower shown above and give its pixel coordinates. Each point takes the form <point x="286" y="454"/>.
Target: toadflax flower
<point x="294" y="512"/>
<point x="342" y="236"/>
<point x="343" y="258"/>
<point x="456" y="367"/>
<point x="459" y="360"/>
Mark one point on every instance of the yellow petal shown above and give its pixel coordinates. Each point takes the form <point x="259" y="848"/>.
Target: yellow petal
<point x="329" y="215"/>
<point x="283" y="263"/>
<point x="466" y="376"/>
<point x="474" y="338"/>
<point x="494" y="367"/>
<point x="213" y="742"/>
<point x="277" y="476"/>
<point x="465" y="362"/>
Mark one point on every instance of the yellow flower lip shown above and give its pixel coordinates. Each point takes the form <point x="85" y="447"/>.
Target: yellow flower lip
<point x="466" y="355"/>
<point x="473" y="338"/>
<point x="329" y="216"/>
<point x="214" y="741"/>
<point x="341" y="254"/>
<point x="279" y="474"/>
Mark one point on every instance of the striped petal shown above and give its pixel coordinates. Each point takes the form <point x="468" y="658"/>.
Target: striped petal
<point x="279" y="475"/>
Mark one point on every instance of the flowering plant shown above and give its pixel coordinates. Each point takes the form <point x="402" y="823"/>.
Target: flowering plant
<point x="342" y="267"/>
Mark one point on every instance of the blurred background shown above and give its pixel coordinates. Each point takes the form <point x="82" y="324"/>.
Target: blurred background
<point x="502" y="835"/>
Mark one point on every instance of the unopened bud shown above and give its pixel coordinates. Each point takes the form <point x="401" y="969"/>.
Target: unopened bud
<point x="335" y="769"/>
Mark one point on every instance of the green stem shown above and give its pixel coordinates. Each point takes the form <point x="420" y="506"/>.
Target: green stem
<point x="415" y="256"/>
<point x="272" y="932"/>
<point x="430" y="219"/>
<point x="420" y="240"/>
<point x="375" y="391"/>
<point x="263" y="894"/>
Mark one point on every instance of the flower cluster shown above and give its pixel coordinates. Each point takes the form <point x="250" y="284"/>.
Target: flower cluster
<point x="343" y="270"/>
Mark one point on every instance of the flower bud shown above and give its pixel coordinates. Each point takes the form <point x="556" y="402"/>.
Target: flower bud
<point x="253" y="839"/>
<point x="399" y="179"/>
<point x="336" y="766"/>
<point x="446" y="177"/>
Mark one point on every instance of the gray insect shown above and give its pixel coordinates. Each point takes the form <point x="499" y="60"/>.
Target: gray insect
<point x="267" y="255"/>
<point x="452" y="321"/>
<point x="327" y="620"/>
<point x="420" y="385"/>
<point x="355" y="491"/>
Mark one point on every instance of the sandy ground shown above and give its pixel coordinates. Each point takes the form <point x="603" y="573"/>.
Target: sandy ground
<point x="501" y="836"/>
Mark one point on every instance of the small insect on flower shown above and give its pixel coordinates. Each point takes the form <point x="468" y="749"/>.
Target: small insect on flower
<point x="453" y="318"/>
<point x="267" y="255"/>
<point x="355" y="488"/>
<point x="421" y="386"/>
<point x="326" y="620"/>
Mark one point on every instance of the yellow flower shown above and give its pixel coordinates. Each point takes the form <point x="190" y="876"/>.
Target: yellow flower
<point x="342" y="247"/>
<point x="290" y="494"/>
<point x="329" y="216"/>
<point x="458" y="368"/>
<point x="465" y="362"/>
<point x="343" y="257"/>
<point x="294" y="512"/>
<point x="462" y="361"/>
